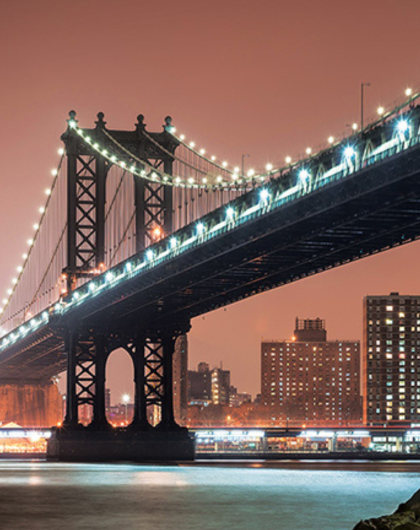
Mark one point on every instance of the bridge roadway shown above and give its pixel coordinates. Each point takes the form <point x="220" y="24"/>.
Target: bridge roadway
<point x="268" y="238"/>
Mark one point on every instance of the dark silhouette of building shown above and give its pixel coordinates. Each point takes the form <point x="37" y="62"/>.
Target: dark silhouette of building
<point x="309" y="379"/>
<point x="391" y="358"/>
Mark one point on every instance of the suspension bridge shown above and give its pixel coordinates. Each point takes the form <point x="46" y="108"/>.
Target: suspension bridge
<point x="143" y="231"/>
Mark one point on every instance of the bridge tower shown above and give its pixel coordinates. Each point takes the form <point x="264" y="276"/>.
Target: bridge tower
<point x="88" y="347"/>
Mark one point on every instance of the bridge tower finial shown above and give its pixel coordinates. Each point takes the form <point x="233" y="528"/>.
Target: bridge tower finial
<point x="100" y="124"/>
<point x="140" y="125"/>
<point x="168" y="124"/>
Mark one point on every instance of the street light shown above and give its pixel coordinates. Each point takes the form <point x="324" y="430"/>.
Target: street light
<point x="243" y="164"/>
<point x="126" y="400"/>
<point x="361" y="104"/>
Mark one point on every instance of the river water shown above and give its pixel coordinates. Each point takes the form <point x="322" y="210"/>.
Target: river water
<point x="305" y="496"/>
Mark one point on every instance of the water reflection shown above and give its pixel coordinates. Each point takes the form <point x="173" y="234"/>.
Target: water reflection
<point x="74" y="496"/>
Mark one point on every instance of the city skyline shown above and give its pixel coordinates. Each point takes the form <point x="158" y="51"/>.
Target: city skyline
<point x="270" y="50"/>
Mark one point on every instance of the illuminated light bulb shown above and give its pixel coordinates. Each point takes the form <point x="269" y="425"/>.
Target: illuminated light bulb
<point x="308" y="151"/>
<point x="48" y="191"/>
<point x="177" y="180"/>
<point x="251" y="173"/>
<point x="87" y="139"/>
<point x="349" y="152"/>
<point x="14" y="281"/>
<point x="269" y="167"/>
<point x="165" y="178"/>
<point x="105" y="152"/>
<point x="122" y="163"/>
<point x="354" y="126"/>
<point x="234" y="176"/>
<point x="200" y="228"/>
<point x="219" y="178"/>
<point x="408" y="91"/>
<point x="204" y="180"/>
<point x="173" y="130"/>
<point x="42" y="210"/>
<point x="236" y="169"/>
<point x="154" y="176"/>
<point x="288" y="159"/>
<point x="173" y="242"/>
<point x="143" y="172"/>
<point x="224" y="164"/>
<point x="1" y="310"/>
<point x="380" y="111"/>
<point x="330" y="139"/>
<point x="113" y="158"/>
<point x="402" y="126"/>
<point x="182" y="137"/>
<point x="25" y="256"/>
<point x="191" y="180"/>
<point x="36" y="226"/>
<point x="230" y="212"/>
<point x="96" y="146"/>
<point x="149" y="255"/>
<point x="61" y="151"/>
<point x="92" y="286"/>
<point x="264" y="195"/>
<point x="157" y="232"/>
<point x="213" y="158"/>
<point x="262" y="178"/>
<point x="72" y="124"/>
<point x="109" y="276"/>
<point x="4" y="301"/>
<point x="54" y="172"/>
<point x="304" y="174"/>
<point x="192" y="144"/>
<point x="9" y="291"/>
<point x="30" y="242"/>
<point x="20" y="268"/>
<point x="202" y="151"/>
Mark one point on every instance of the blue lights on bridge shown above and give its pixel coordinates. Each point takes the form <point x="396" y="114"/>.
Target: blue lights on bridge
<point x="257" y="203"/>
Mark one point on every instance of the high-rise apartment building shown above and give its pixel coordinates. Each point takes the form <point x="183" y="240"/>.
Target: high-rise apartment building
<point x="391" y="358"/>
<point x="220" y="386"/>
<point x="207" y="386"/>
<point x="309" y="379"/>
<point x="180" y="379"/>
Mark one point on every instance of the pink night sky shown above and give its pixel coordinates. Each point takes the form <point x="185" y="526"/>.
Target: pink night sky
<point x="268" y="78"/>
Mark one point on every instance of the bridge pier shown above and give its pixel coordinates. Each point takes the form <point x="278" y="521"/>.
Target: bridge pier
<point x="30" y="404"/>
<point x="151" y="351"/>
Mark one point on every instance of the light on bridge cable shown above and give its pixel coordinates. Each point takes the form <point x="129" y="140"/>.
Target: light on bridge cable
<point x="149" y="255"/>
<point x="173" y="242"/>
<point x="200" y="228"/>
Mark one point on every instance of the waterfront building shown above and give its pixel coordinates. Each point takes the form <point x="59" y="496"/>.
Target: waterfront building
<point x="309" y="379"/>
<point x="220" y="386"/>
<point x="180" y="379"/>
<point x="207" y="386"/>
<point x="391" y="358"/>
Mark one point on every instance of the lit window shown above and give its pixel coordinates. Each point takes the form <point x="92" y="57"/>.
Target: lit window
<point x="389" y="308"/>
